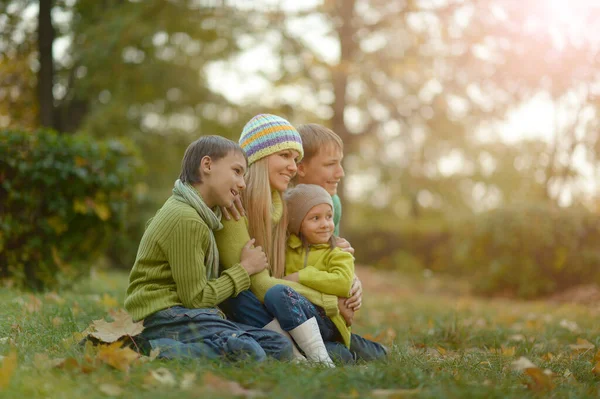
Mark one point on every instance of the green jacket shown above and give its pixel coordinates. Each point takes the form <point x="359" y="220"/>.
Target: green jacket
<point x="232" y="238"/>
<point x="169" y="269"/>
<point x="330" y="271"/>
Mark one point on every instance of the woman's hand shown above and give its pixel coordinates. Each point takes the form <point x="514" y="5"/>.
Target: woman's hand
<point x="236" y="210"/>
<point x="354" y="302"/>
<point x="292" y="277"/>
<point x="344" y="245"/>
<point x="346" y="312"/>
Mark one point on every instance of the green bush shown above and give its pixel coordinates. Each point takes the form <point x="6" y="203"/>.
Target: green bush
<point x="529" y="250"/>
<point x="63" y="197"/>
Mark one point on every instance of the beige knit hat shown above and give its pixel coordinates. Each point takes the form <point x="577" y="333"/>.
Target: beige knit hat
<point x="300" y="200"/>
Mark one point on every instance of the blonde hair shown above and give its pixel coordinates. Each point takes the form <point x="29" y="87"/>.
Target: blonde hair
<point x="258" y="203"/>
<point x="314" y="137"/>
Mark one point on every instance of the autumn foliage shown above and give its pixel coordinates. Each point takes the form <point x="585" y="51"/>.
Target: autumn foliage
<point x="62" y="198"/>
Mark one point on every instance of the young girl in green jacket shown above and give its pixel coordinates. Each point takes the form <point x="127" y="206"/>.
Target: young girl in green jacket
<point x="313" y="260"/>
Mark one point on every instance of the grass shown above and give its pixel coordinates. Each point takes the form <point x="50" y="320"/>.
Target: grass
<point x="445" y="344"/>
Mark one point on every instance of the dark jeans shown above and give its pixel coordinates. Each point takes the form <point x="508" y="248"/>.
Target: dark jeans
<point x="192" y="333"/>
<point x="292" y="309"/>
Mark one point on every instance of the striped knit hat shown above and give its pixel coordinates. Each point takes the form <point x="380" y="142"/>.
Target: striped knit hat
<point x="267" y="134"/>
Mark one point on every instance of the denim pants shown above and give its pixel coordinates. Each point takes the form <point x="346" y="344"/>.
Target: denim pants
<point x="193" y="333"/>
<point x="292" y="309"/>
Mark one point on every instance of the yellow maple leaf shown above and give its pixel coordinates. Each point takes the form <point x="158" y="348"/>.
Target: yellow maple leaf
<point x="109" y="302"/>
<point x="541" y="380"/>
<point x="117" y="357"/>
<point x="123" y="325"/>
<point x="9" y="364"/>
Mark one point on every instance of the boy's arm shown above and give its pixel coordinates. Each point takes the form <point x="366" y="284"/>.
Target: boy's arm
<point x="231" y="239"/>
<point x="186" y="253"/>
<point x="336" y="280"/>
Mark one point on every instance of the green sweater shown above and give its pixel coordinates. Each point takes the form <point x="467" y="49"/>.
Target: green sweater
<point x="169" y="269"/>
<point x="337" y="214"/>
<point x="232" y="238"/>
<point x="330" y="271"/>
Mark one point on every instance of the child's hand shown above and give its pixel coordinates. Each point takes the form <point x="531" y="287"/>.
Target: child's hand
<point x="292" y="277"/>
<point x="346" y="312"/>
<point x="344" y="245"/>
<point x="236" y="209"/>
<point x="254" y="259"/>
<point x="354" y="302"/>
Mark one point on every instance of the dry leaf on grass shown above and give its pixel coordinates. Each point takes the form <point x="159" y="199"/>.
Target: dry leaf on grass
<point x="110" y="389"/>
<point x="122" y="326"/>
<point x="188" y="381"/>
<point x="117" y="357"/>
<point x="218" y="384"/>
<point x="160" y="377"/>
<point x="109" y="302"/>
<point x="9" y="364"/>
<point x="541" y="380"/>
<point x="582" y="345"/>
<point x="34" y="304"/>
<point x="394" y="393"/>
<point x="41" y="361"/>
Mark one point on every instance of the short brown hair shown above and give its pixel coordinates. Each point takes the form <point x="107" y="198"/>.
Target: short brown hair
<point x="216" y="147"/>
<point x="315" y="136"/>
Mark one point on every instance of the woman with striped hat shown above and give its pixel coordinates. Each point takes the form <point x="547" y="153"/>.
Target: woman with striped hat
<point x="273" y="147"/>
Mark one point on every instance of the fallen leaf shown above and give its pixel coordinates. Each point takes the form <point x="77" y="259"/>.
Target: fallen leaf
<point x="224" y="386"/>
<point x="522" y="364"/>
<point x="394" y="393"/>
<point x="188" y="381"/>
<point x="34" y="304"/>
<point x="9" y="364"/>
<point x="110" y="389"/>
<point x="582" y="345"/>
<point x="117" y="357"/>
<point x="57" y="321"/>
<point x="109" y="302"/>
<point x="517" y="337"/>
<point x="122" y="326"/>
<point x="569" y="325"/>
<point x="160" y="377"/>
<point x="542" y="380"/>
<point x="54" y="297"/>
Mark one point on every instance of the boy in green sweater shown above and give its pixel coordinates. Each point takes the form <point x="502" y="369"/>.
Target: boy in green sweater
<point x="175" y="287"/>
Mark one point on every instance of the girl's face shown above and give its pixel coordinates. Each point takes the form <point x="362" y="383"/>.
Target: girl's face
<point x="317" y="226"/>
<point x="282" y="168"/>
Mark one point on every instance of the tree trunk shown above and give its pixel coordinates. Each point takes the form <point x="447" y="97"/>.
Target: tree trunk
<point x="46" y="72"/>
<point x="344" y="10"/>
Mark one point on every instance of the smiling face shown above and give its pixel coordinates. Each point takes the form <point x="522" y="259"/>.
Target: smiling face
<point x="317" y="226"/>
<point x="282" y="168"/>
<point x="223" y="179"/>
<point x="324" y="169"/>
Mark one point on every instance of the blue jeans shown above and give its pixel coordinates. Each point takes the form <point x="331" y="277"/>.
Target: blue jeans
<point x="292" y="309"/>
<point x="192" y="333"/>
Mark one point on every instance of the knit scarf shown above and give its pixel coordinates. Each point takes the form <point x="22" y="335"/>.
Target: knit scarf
<point x="186" y="193"/>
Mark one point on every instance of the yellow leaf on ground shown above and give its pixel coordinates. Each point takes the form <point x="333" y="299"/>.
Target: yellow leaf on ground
<point x="9" y="364"/>
<point x="109" y="302"/>
<point x="394" y="393"/>
<point x="541" y="380"/>
<point x="110" y="389"/>
<point x="188" y="381"/>
<point x="117" y="357"/>
<point x="582" y="345"/>
<point x="122" y="326"/>
<point x="160" y="377"/>
<point x="522" y="364"/>
<point x="34" y="304"/>
<point x="226" y="387"/>
<point x="54" y="297"/>
<point x="102" y="211"/>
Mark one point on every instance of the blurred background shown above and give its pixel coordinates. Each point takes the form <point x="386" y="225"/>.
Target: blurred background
<point x="471" y="127"/>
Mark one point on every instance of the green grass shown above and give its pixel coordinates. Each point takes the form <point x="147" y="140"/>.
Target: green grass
<point x="445" y="344"/>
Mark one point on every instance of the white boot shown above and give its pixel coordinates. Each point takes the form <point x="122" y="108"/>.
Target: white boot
<point x="276" y="327"/>
<point x="308" y="337"/>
